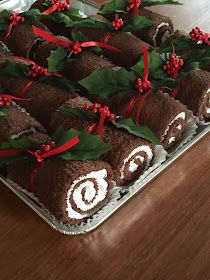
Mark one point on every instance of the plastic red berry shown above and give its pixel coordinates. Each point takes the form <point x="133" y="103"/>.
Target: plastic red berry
<point x="117" y="22"/>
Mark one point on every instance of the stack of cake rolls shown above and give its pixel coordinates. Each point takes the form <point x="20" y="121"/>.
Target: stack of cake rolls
<point x="130" y="155"/>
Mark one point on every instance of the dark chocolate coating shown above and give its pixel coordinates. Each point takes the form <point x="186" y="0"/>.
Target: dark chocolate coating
<point x="53" y="179"/>
<point x="17" y="121"/>
<point x="146" y="34"/>
<point x="193" y="92"/>
<point x="122" y="142"/>
<point x="21" y="39"/>
<point x="82" y="66"/>
<point x="157" y="113"/>
<point x="126" y="42"/>
<point x="45" y="98"/>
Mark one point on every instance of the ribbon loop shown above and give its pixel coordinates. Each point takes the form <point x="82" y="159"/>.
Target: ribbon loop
<point x="5" y="99"/>
<point x="104" y="114"/>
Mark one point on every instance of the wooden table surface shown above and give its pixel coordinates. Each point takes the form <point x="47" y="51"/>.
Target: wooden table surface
<point x="163" y="233"/>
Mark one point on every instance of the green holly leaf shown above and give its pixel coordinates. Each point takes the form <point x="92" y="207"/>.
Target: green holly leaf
<point x="107" y="82"/>
<point x="4" y="111"/>
<point x="92" y="22"/>
<point x="137" y="130"/>
<point x="149" y="3"/>
<point x="14" y="69"/>
<point x="57" y="60"/>
<point x="136" y="23"/>
<point x="196" y="59"/>
<point x="4" y="15"/>
<point x="180" y="44"/>
<point x="80" y="114"/>
<point x="32" y="16"/>
<point x="89" y="147"/>
<point x="156" y="63"/>
<point x="114" y="6"/>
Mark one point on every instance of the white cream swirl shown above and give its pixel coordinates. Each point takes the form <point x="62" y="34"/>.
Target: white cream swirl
<point x="165" y="36"/>
<point x="180" y="116"/>
<point x="136" y="157"/>
<point x="86" y="193"/>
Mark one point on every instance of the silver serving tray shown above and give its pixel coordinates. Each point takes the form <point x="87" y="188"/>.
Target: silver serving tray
<point x="119" y="196"/>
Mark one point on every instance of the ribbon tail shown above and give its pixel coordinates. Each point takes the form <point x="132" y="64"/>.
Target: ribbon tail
<point x="8" y="32"/>
<point x="91" y="127"/>
<point x="100" y="127"/>
<point x="130" y="107"/>
<point x="108" y="37"/>
<point x="175" y="91"/>
<point x="100" y="45"/>
<point x="25" y="89"/>
<point x="50" y="10"/>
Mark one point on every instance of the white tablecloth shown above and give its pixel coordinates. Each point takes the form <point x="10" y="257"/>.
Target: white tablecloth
<point x="12" y="5"/>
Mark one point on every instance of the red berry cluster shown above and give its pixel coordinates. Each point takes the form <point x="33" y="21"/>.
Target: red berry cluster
<point x="142" y="85"/>
<point x="45" y="148"/>
<point x="132" y="4"/>
<point x="117" y="22"/>
<point x="199" y="37"/>
<point x="76" y="48"/>
<point x="173" y="65"/>
<point x="36" y="70"/>
<point x="5" y="101"/>
<point x="61" y="6"/>
<point x="15" y="19"/>
<point x="102" y="110"/>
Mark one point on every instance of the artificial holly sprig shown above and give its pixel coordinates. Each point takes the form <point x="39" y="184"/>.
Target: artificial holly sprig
<point x="61" y="56"/>
<point x="20" y="67"/>
<point x="9" y="20"/>
<point x="87" y="146"/>
<point x="130" y="6"/>
<point x="90" y="114"/>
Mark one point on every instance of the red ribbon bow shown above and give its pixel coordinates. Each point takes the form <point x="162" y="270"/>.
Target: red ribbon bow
<point x="143" y="87"/>
<point x="57" y="5"/>
<point x="200" y="37"/>
<point x="104" y="114"/>
<point x="134" y="5"/>
<point x="14" y="19"/>
<point x="34" y="72"/>
<point x="41" y="154"/>
<point x="76" y="48"/>
<point x="5" y="99"/>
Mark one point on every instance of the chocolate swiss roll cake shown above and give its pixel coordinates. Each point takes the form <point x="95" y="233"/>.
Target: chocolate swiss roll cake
<point x="71" y="190"/>
<point x="129" y="44"/>
<point x="158" y="33"/>
<point x="76" y="69"/>
<point x="18" y="123"/>
<point x="130" y="156"/>
<point x="45" y="99"/>
<point x="194" y="92"/>
<point x="166" y="117"/>
<point x="21" y="40"/>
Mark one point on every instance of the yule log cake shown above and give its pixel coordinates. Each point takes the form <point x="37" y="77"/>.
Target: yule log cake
<point x="84" y="100"/>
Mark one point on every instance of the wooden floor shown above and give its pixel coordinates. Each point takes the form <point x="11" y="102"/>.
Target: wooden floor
<point x="161" y="234"/>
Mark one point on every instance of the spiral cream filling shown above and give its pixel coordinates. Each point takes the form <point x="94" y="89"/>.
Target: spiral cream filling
<point x="85" y="195"/>
<point x="133" y="166"/>
<point x="208" y="105"/>
<point x="165" y="36"/>
<point x="180" y="116"/>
